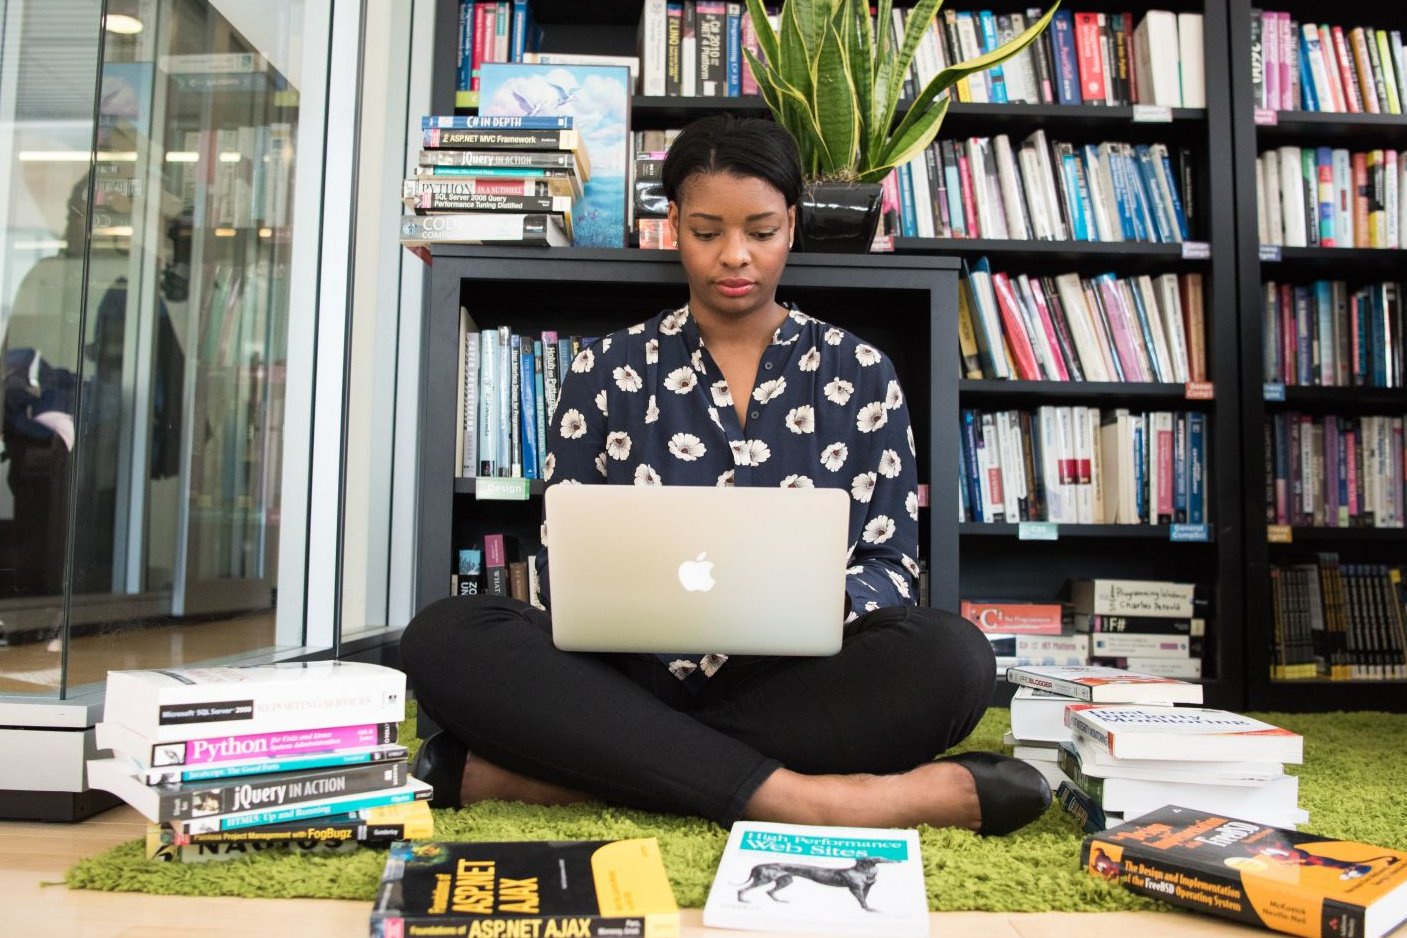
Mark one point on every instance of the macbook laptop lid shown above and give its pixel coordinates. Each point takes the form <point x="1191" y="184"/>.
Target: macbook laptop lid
<point x="697" y="570"/>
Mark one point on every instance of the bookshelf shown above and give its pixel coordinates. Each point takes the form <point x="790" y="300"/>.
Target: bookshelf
<point x="1268" y="545"/>
<point x="905" y="305"/>
<point x="522" y="288"/>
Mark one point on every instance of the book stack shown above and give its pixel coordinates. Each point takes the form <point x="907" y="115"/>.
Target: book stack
<point x="1080" y="465"/>
<point x="1334" y="471"/>
<point x="1131" y="749"/>
<point x="229" y="760"/>
<point x="1330" y="197"/>
<point x="1038" y="726"/>
<point x="1027" y="633"/>
<point x="1036" y="189"/>
<point x="494" y="180"/>
<point x="1326" y="334"/>
<point x="1318" y="67"/>
<point x="1340" y="621"/>
<point x="695" y="48"/>
<point x="1073" y="328"/>
<point x="1150" y="626"/>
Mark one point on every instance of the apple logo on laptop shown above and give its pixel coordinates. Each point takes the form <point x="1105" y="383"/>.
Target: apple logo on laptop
<point x="696" y="575"/>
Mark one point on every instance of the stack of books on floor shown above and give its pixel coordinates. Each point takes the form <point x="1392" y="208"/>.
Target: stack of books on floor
<point x="227" y="761"/>
<point x="1027" y="633"/>
<point x="1149" y="626"/>
<point x="494" y="180"/>
<point x="1132" y="745"/>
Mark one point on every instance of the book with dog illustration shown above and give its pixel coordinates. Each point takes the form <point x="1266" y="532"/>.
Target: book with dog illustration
<point x="831" y="880"/>
<point x="1288" y="881"/>
<point x="542" y="888"/>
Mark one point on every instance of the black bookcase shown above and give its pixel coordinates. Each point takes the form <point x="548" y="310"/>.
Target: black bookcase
<point x="906" y="306"/>
<point x="995" y="562"/>
<point x="1251" y="135"/>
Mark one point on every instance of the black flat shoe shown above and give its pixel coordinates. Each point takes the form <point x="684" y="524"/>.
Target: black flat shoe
<point x="1012" y="794"/>
<point x="440" y="764"/>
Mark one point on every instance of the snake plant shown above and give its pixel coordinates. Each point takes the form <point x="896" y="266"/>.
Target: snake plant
<point x="830" y="77"/>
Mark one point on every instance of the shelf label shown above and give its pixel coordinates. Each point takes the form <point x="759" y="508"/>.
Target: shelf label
<point x="1190" y="533"/>
<point x="501" y="489"/>
<point x="923" y="495"/>
<point x="1270" y="252"/>
<point x="1200" y="391"/>
<point x="1273" y="391"/>
<point x="1152" y="114"/>
<point x="1279" y="534"/>
<point x="1038" y="531"/>
<point x="1196" y="250"/>
<point x="1267" y="117"/>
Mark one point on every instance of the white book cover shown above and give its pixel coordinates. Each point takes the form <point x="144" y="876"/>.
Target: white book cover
<point x="1193" y="69"/>
<point x="1114" y="597"/>
<point x="1039" y="715"/>
<point x="1262" y="213"/>
<point x="1167" y="303"/>
<point x="1050" y="183"/>
<point x="1342" y="164"/>
<point x="1193" y="734"/>
<point x="1077" y="316"/>
<point x="1135" y="644"/>
<point x="1272" y="797"/>
<point x="1187" y="669"/>
<point x="1155" y="59"/>
<point x="171" y="704"/>
<point x="653" y="44"/>
<point x="1095" y="761"/>
<point x="1292" y="207"/>
<point x="1017" y="222"/>
<point x="1274" y="207"/>
<point x="819" y="880"/>
<point x="1031" y="184"/>
<point x="1099" y="684"/>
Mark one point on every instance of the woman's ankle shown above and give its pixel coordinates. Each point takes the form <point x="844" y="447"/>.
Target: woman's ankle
<point x="486" y="781"/>
<point x="935" y="794"/>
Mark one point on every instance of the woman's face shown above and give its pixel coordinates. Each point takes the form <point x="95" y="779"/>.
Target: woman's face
<point x="734" y="234"/>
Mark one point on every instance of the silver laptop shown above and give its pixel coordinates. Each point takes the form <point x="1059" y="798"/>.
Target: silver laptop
<point x="695" y="569"/>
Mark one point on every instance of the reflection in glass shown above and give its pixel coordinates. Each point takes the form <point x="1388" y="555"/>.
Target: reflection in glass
<point x="145" y="234"/>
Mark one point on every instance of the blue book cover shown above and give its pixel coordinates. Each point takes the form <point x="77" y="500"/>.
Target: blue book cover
<point x="953" y="183"/>
<point x="1151" y="221"/>
<point x="1067" y="69"/>
<point x="465" y="57"/>
<point x="1324" y="327"/>
<point x="1123" y="194"/>
<point x="1324" y="171"/>
<point x="525" y="35"/>
<point x="527" y="410"/>
<point x="540" y="385"/>
<point x="1145" y="318"/>
<point x="1165" y="165"/>
<point x="733" y="45"/>
<point x="971" y="467"/>
<point x="1304" y="357"/>
<point x="597" y="97"/>
<point x="1196" y="467"/>
<point x="907" y="221"/>
<point x="479" y="122"/>
<point x="1139" y="423"/>
<point x="1341" y="461"/>
<point x="1377" y="343"/>
<point x="1069" y="177"/>
<point x="1309" y="101"/>
<point x="996" y="80"/>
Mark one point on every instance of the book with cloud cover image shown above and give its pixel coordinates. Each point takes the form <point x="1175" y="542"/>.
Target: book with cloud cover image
<point x="597" y="98"/>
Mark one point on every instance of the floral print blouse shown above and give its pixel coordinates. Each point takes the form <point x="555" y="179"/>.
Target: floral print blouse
<point x="649" y="406"/>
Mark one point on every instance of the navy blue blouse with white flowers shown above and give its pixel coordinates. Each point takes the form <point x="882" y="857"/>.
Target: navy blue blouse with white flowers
<point x="649" y="406"/>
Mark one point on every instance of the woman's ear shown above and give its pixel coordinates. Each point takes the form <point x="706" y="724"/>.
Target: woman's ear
<point x="673" y="218"/>
<point x="791" y="226"/>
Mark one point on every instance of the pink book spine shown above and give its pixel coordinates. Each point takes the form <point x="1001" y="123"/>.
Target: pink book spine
<point x="1289" y="59"/>
<point x="493" y="550"/>
<point x="217" y="749"/>
<point x="1270" y="50"/>
<point x="1120" y="327"/>
<point x="1048" y="326"/>
<point x="1350" y="441"/>
<point x="1165" y="473"/>
<point x="750" y="43"/>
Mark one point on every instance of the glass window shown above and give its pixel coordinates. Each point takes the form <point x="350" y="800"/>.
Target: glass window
<point x="157" y="183"/>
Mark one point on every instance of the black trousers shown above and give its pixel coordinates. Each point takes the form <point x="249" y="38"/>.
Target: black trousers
<point x="908" y="683"/>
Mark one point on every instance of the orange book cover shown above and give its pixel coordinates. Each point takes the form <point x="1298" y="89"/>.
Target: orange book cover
<point x="1293" y="882"/>
<point x="998" y="618"/>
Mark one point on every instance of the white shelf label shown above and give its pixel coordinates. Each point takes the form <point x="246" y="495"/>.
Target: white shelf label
<point x="1273" y="391"/>
<point x="1196" y="250"/>
<point x="1270" y="252"/>
<point x="1267" y="117"/>
<point x="502" y="489"/>
<point x="1038" y="531"/>
<point x="1190" y="533"/>
<point x="1152" y="114"/>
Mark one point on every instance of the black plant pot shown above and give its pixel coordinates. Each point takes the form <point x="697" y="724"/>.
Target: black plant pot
<point x="838" y="217"/>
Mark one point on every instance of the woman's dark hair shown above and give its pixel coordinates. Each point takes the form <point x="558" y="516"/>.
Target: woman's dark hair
<point x="742" y="146"/>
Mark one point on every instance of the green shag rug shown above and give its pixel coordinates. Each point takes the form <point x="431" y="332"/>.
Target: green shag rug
<point x="1351" y="784"/>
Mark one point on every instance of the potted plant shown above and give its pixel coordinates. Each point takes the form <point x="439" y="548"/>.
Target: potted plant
<point x="830" y="78"/>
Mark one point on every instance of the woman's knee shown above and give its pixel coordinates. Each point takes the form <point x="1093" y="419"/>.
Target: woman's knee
<point x="950" y="649"/>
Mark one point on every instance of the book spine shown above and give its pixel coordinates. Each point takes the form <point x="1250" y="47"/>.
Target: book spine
<point x="301" y="763"/>
<point x="1067" y="73"/>
<point x="712" y="27"/>
<point x="485" y="122"/>
<point x="251" y="795"/>
<point x="486" y="202"/>
<point x="653" y="44"/>
<point x="733" y="44"/>
<point x="495" y="566"/>
<point x="309" y="810"/>
<point x="217" y="750"/>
